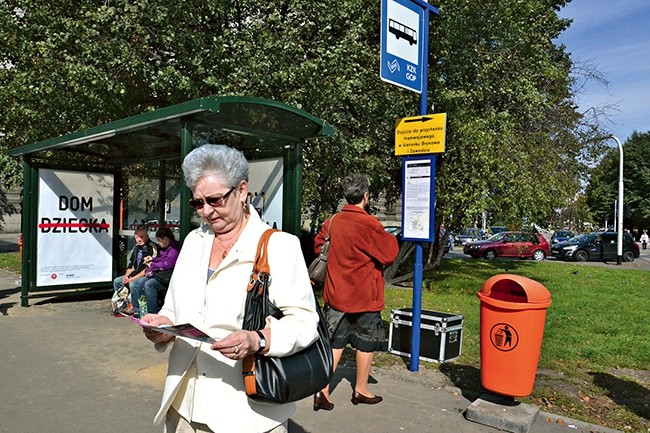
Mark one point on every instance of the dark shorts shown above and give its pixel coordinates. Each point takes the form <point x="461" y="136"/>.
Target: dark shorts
<point x="363" y="331"/>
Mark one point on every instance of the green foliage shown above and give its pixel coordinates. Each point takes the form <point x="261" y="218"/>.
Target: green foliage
<point x="514" y="148"/>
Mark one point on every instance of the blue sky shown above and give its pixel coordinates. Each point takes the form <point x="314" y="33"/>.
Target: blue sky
<point x="614" y="38"/>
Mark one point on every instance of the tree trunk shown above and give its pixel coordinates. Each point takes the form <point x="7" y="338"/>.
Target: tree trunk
<point x="405" y="251"/>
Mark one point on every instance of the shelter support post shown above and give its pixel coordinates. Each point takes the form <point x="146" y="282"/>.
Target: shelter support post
<point x="28" y="268"/>
<point x="162" y="194"/>
<point x="185" y="211"/>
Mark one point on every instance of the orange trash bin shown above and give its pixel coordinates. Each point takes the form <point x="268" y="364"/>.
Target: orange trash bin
<point x="513" y="312"/>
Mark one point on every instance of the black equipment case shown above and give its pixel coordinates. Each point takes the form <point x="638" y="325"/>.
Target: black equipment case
<point x="441" y="334"/>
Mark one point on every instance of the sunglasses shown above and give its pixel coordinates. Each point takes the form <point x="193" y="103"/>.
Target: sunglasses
<point x="198" y="203"/>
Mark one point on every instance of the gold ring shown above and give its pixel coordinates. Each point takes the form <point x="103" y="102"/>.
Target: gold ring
<point x="236" y="349"/>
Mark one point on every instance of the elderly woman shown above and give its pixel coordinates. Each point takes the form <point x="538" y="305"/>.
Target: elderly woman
<point x="204" y="390"/>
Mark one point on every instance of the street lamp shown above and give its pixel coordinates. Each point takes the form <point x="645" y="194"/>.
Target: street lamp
<point x="619" y="251"/>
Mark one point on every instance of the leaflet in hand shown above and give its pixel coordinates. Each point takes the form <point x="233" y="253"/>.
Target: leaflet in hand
<point x="185" y="330"/>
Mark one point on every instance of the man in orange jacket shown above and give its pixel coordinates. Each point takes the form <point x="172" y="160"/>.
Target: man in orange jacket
<point x="360" y="248"/>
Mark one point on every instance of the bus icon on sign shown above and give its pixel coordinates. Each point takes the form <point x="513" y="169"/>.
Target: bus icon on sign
<point x="402" y="31"/>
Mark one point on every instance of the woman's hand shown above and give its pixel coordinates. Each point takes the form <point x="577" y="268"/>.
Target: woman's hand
<point x="240" y="344"/>
<point x="156" y="320"/>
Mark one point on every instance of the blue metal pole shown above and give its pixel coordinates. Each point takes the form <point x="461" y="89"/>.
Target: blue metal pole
<point x="417" y="267"/>
<point x="417" y="309"/>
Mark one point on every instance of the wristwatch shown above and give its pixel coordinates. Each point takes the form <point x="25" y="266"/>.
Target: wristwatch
<point x="262" y="342"/>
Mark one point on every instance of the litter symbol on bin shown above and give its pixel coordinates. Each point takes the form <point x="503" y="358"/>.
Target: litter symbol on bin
<point x="504" y="337"/>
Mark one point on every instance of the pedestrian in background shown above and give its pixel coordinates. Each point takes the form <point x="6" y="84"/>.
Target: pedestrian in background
<point x="644" y="239"/>
<point x="360" y="248"/>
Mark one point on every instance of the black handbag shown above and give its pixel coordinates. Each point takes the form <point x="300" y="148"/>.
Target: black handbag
<point x="287" y="378"/>
<point x="163" y="277"/>
<point x="318" y="268"/>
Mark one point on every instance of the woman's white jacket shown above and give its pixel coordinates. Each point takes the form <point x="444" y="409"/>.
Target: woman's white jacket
<point x="201" y="383"/>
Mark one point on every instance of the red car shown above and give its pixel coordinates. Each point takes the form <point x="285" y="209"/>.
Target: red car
<point x="509" y="244"/>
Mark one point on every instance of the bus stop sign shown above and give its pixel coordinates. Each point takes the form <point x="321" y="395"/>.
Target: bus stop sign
<point x="402" y="58"/>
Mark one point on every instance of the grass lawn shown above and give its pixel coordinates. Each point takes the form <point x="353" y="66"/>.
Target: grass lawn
<point x="597" y="324"/>
<point x="10" y="262"/>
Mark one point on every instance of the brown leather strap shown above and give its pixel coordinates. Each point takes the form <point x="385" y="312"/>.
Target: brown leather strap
<point x="262" y="259"/>
<point x="260" y="266"/>
<point x="261" y="263"/>
<point x="248" y="370"/>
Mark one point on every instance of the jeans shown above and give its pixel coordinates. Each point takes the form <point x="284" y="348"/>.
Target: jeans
<point x="118" y="284"/>
<point x="149" y="287"/>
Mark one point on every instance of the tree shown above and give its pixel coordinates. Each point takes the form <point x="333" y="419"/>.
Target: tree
<point x="509" y="89"/>
<point x="70" y="67"/>
<point x="602" y="191"/>
<point x="515" y="147"/>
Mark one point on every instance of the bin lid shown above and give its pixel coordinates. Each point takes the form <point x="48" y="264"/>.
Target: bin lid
<point x="515" y="288"/>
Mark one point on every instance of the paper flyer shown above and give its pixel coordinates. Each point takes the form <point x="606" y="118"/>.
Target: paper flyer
<point x="184" y="330"/>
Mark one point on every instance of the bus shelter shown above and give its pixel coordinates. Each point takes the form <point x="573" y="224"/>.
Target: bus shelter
<point x="85" y="192"/>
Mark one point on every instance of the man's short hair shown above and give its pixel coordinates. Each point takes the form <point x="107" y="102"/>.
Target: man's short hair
<point x="141" y="232"/>
<point x="354" y="187"/>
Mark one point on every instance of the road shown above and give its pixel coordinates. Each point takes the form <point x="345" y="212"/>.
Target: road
<point x="642" y="263"/>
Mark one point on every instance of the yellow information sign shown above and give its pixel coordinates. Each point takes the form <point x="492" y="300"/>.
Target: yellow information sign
<point x="420" y="134"/>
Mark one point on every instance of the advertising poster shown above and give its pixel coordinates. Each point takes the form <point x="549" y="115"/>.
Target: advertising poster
<point x="265" y="189"/>
<point x="75" y="227"/>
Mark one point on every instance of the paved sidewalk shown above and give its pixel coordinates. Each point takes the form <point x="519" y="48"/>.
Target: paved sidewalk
<point x="71" y="366"/>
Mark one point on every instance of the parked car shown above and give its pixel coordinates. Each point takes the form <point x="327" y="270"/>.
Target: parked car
<point x="596" y="246"/>
<point x="174" y="225"/>
<point x="497" y="229"/>
<point x="561" y="236"/>
<point x="446" y="245"/>
<point x="468" y="234"/>
<point x="509" y="244"/>
<point x="394" y="230"/>
<point x="152" y="225"/>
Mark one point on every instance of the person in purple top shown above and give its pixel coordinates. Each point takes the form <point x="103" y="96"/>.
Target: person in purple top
<point x="159" y="270"/>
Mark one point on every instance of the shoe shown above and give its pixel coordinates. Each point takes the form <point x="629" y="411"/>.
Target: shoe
<point x="321" y="402"/>
<point x="360" y="398"/>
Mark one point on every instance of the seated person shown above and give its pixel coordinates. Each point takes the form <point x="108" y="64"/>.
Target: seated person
<point x="158" y="272"/>
<point x="137" y="265"/>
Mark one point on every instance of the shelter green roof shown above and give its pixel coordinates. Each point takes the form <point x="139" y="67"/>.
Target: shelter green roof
<point x="244" y="122"/>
